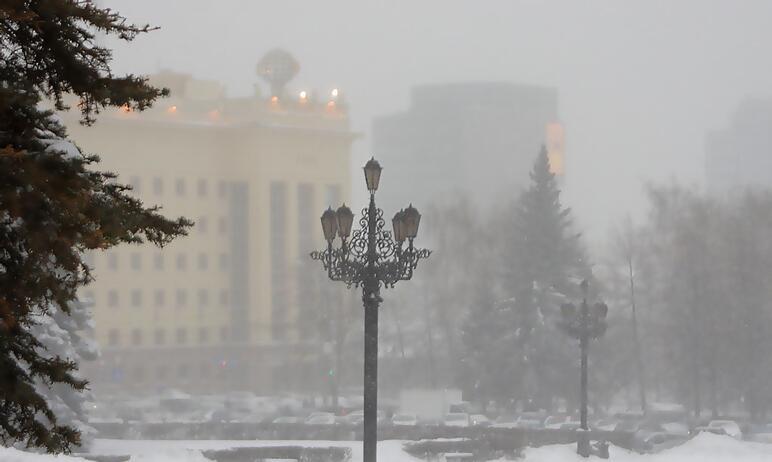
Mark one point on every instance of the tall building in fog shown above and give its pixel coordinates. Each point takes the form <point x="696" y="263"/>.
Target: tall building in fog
<point x="217" y="310"/>
<point x="474" y="138"/>
<point x="740" y="155"/>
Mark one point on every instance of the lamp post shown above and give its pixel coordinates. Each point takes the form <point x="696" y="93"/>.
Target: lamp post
<point x="584" y="324"/>
<point x="370" y="258"/>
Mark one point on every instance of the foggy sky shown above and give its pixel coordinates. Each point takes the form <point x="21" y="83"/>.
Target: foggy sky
<point x="640" y="82"/>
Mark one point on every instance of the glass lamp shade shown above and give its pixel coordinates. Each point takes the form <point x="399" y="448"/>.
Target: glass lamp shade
<point x="329" y="224"/>
<point x="345" y="218"/>
<point x="398" y="222"/>
<point x="568" y="310"/>
<point x="412" y="219"/>
<point x="600" y="310"/>
<point x="372" y="174"/>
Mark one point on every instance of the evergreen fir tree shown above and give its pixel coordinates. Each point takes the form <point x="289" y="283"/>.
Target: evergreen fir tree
<point x="68" y="336"/>
<point x="549" y="260"/>
<point x="53" y="206"/>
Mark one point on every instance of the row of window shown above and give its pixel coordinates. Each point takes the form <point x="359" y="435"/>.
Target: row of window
<point x="180" y="186"/>
<point x="181" y="261"/>
<point x="181" y="337"/>
<point x="137" y="298"/>
<point x="214" y="370"/>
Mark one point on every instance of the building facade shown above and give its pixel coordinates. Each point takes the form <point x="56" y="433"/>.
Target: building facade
<point x="477" y="139"/>
<point x="740" y="156"/>
<point x="219" y="309"/>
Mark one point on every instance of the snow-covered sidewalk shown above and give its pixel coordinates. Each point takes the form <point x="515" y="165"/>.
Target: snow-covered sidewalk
<point x="705" y="447"/>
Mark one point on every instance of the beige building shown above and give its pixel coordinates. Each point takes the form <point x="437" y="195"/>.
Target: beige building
<point x="216" y="310"/>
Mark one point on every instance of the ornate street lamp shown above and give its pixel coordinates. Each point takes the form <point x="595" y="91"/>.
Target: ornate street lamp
<point x="588" y="322"/>
<point x="371" y="258"/>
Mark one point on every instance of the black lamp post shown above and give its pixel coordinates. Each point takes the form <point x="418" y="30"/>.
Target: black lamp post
<point x="584" y="324"/>
<point x="372" y="257"/>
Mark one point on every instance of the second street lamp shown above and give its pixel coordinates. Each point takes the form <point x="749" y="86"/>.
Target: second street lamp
<point x="584" y="324"/>
<point x="371" y="258"/>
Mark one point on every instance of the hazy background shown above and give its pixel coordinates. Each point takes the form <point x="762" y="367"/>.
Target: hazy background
<point x="640" y="82"/>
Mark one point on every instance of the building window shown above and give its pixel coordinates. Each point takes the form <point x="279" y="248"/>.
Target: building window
<point x="182" y="297"/>
<point x="203" y="261"/>
<point x="136" y="261"/>
<point x="158" y="186"/>
<point x="202" y="225"/>
<point x="306" y="217"/>
<point x="181" y="336"/>
<point x="222" y="188"/>
<point x="279" y="269"/>
<point x="222" y="225"/>
<point x="224" y="261"/>
<point x="159" y="337"/>
<point x="203" y="335"/>
<point x="158" y="261"/>
<point x="136" y="337"/>
<point x="112" y="299"/>
<point x="159" y="298"/>
<point x="182" y="262"/>
<point x="134" y="182"/>
<point x="179" y="187"/>
<point x="201" y="188"/>
<point x="113" y="337"/>
<point x="136" y="298"/>
<point x="112" y="261"/>
<point x="224" y="298"/>
<point x="203" y="297"/>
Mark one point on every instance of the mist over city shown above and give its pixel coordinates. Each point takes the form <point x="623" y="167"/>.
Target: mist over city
<point x="356" y="231"/>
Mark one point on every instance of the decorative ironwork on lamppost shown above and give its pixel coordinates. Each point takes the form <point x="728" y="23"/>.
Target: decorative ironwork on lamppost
<point x="370" y="257"/>
<point x="587" y="322"/>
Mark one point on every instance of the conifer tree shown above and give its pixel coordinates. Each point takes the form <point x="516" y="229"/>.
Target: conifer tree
<point x="548" y="262"/>
<point x="53" y="205"/>
<point x="513" y="346"/>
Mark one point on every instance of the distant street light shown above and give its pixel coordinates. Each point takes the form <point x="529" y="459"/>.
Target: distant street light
<point x="584" y="324"/>
<point x="371" y="258"/>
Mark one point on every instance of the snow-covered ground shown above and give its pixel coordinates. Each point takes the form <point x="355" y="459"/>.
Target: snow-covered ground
<point x="706" y="447"/>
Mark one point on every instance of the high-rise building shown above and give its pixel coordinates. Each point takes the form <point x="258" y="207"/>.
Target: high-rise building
<point x="478" y="139"/>
<point x="740" y="155"/>
<point x="217" y="309"/>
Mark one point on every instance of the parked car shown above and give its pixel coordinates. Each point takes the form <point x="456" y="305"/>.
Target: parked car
<point x="358" y="417"/>
<point x="554" y="422"/>
<point x="675" y="428"/>
<point x="505" y="421"/>
<point x="707" y="429"/>
<point x="479" y="420"/>
<point x="321" y="418"/>
<point x="404" y="419"/>
<point x="730" y="427"/>
<point x="287" y="420"/>
<point x="571" y="425"/>
<point x="657" y="441"/>
<point x="627" y="426"/>
<point x="606" y="425"/>
<point x="456" y="419"/>
<point x="528" y="423"/>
